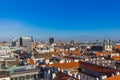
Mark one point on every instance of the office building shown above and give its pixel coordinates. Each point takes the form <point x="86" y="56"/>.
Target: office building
<point x="13" y="42"/>
<point x="32" y="39"/>
<point x="25" y="41"/>
<point x="52" y="40"/>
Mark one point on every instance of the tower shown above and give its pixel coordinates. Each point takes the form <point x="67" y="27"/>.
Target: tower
<point x="32" y="39"/>
<point x="107" y="45"/>
<point x="13" y="41"/>
<point x="52" y="40"/>
<point x="25" y="41"/>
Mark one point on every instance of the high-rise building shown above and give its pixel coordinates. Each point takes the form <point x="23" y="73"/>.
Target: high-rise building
<point x="32" y="39"/>
<point x="25" y="41"/>
<point x="13" y="42"/>
<point x="52" y="40"/>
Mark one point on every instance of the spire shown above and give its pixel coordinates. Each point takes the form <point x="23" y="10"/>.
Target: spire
<point x="110" y="42"/>
<point x="104" y="42"/>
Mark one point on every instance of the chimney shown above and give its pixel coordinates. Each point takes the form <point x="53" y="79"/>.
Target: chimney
<point x="97" y="78"/>
<point x="76" y="60"/>
<point x="117" y="73"/>
<point x="109" y="61"/>
<point x="93" y="62"/>
<point x="67" y="61"/>
<point x="53" y="76"/>
<point x="48" y="71"/>
<point x="103" y="64"/>
<point x="91" y="59"/>
<point x="75" y="75"/>
<point x="97" y="63"/>
<point x="79" y="77"/>
<point x="50" y="62"/>
<point x="62" y="70"/>
<point x="113" y="74"/>
<point x="103" y="77"/>
<point x="69" y="73"/>
<point x="62" y="61"/>
<point x="94" y="59"/>
<point x="86" y="59"/>
<point x="102" y="58"/>
<point x="58" y="69"/>
<point x="47" y="61"/>
<point x="114" y="67"/>
<point x="48" y="74"/>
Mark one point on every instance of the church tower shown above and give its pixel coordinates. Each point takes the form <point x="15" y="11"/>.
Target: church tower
<point x="107" y="45"/>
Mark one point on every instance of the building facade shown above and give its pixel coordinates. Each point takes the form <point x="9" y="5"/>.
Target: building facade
<point x="25" y="41"/>
<point x="52" y="40"/>
<point x="107" y="45"/>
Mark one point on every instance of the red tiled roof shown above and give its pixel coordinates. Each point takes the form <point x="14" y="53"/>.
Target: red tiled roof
<point x="97" y="68"/>
<point x="71" y="58"/>
<point x="62" y="76"/>
<point x="65" y="65"/>
<point x="103" y="53"/>
<point x="76" y="52"/>
<point x="116" y="57"/>
<point x="114" y="78"/>
<point x="55" y="52"/>
<point x="117" y="47"/>
<point x="66" y="52"/>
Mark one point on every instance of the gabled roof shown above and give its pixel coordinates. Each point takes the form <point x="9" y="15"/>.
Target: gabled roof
<point x="97" y="68"/>
<point x="63" y="76"/>
<point x="116" y="58"/>
<point x="117" y="47"/>
<point x="76" y="52"/>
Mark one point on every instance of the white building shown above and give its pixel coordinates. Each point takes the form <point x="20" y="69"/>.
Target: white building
<point x="107" y="45"/>
<point x="4" y="78"/>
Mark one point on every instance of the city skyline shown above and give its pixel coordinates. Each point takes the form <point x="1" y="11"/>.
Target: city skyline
<point x="65" y="20"/>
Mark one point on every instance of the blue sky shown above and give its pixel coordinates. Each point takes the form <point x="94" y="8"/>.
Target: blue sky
<point x="63" y="19"/>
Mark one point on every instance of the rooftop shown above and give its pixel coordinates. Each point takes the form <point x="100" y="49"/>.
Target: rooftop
<point x="97" y="68"/>
<point x="25" y="71"/>
<point x="102" y="53"/>
<point x="114" y="78"/>
<point x="47" y="55"/>
<point x="4" y="74"/>
<point x="117" y="47"/>
<point x="65" y="65"/>
<point x="63" y="76"/>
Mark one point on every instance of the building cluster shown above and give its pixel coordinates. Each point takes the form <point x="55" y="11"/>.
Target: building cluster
<point x="26" y="59"/>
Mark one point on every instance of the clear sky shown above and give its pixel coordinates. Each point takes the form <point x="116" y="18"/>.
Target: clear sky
<point x="64" y="19"/>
